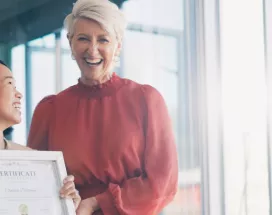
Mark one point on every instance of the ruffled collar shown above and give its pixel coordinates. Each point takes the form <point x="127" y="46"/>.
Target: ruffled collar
<point x="105" y="89"/>
<point x="98" y="86"/>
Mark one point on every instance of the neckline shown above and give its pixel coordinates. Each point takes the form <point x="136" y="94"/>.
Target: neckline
<point x="107" y="88"/>
<point x="98" y="86"/>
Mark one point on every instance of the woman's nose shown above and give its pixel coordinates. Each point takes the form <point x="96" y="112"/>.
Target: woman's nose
<point x="93" y="48"/>
<point x="18" y="95"/>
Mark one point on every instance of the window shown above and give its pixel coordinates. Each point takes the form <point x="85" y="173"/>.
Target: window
<point x="153" y="53"/>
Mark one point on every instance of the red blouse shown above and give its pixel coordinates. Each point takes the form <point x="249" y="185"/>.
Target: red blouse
<point x="117" y="141"/>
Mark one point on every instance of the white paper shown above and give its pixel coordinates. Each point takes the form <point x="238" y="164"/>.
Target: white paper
<point x="29" y="188"/>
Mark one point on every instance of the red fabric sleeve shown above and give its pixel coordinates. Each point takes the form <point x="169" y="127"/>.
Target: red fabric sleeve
<point x="38" y="134"/>
<point x="151" y="192"/>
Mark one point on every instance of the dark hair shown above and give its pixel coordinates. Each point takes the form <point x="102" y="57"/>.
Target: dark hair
<point x="2" y="62"/>
<point x="8" y="132"/>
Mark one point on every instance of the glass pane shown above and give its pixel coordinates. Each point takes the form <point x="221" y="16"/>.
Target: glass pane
<point x="43" y="75"/>
<point x="70" y="71"/>
<point x="244" y="101"/>
<point x="49" y="41"/>
<point x="155" y="13"/>
<point x="37" y="42"/>
<point x="64" y="40"/>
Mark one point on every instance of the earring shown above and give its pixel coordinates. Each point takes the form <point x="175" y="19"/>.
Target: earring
<point x="117" y="57"/>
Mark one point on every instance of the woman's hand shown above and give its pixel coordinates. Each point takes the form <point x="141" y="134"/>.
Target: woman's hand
<point x="69" y="191"/>
<point x="87" y="206"/>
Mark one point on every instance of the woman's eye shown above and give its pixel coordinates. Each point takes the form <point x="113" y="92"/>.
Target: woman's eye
<point x="104" y="40"/>
<point x="82" y="38"/>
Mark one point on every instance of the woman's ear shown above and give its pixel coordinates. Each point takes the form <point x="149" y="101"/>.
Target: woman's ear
<point x="119" y="46"/>
<point x="118" y="50"/>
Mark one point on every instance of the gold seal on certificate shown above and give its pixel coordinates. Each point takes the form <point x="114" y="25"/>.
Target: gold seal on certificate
<point x="30" y="182"/>
<point x="23" y="209"/>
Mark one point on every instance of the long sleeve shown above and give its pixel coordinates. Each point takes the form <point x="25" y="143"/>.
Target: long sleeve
<point x="38" y="134"/>
<point x="157" y="186"/>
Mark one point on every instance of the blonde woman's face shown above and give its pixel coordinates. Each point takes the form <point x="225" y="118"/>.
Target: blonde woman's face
<point x="93" y="49"/>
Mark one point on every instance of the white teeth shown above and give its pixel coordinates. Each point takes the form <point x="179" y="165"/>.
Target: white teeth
<point x="96" y="61"/>
<point x="93" y="61"/>
<point x="17" y="106"/>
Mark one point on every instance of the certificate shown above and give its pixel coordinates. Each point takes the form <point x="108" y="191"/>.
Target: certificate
<point x="30" y="182"/>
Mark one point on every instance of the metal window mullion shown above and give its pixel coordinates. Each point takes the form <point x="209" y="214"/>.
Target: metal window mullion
<point x="211" y="124"/>
<point x="267" y="7"/>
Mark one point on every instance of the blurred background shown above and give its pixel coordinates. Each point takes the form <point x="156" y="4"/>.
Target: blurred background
<point x="212" y="62"/>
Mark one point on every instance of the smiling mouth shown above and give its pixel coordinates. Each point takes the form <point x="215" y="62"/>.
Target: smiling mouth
<point x="95" y="62"/>
<point x="17" y="106"/>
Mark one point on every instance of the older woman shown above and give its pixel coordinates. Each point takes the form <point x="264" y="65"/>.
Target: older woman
<point x="115" y="134"/>
<point x="10" y="114"/>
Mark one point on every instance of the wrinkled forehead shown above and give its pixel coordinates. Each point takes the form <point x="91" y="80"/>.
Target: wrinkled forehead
<point x="91" y="27"/>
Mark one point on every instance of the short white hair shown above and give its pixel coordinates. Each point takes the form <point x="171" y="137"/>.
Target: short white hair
<point x="106" y="13"/>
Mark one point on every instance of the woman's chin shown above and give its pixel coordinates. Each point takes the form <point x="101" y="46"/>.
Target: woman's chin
<point x="91" y="74"/>
<point x="17" y="120"/>
<point x="94" y="72"/>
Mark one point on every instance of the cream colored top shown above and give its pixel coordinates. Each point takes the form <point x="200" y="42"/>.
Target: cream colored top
<point x="14" y="146"/>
